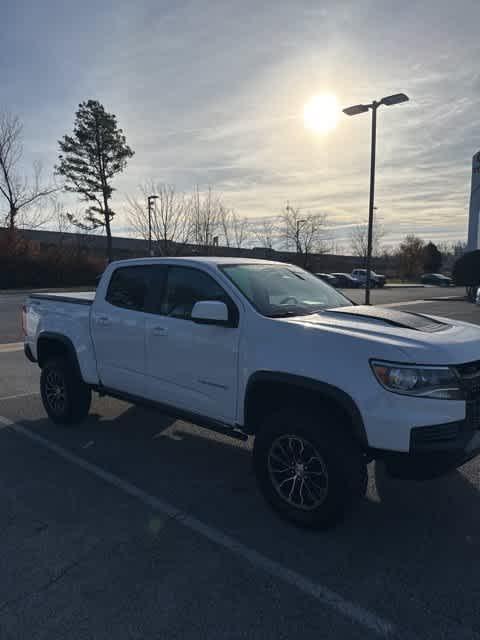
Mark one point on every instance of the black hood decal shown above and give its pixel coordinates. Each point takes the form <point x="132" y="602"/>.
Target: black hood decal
<point x="415" y="321"/>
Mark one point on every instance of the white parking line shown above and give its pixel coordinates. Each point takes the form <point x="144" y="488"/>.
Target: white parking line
<point x="21" y="395"/>
<point x="10" y="347"/>
<point x="354" y="612"/>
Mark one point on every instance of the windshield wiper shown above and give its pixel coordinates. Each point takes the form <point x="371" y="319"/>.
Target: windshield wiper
<point x="284" y="314"/>
<point x="288" y="314"/>
<point x="297" y="275"/>
<point x="298" y="312"/>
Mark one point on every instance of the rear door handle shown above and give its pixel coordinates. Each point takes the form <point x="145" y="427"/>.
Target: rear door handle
<point x="159" y="331"/>
<point x="103" y="320"/>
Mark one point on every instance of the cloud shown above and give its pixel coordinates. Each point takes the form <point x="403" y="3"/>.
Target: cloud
<point x="212" y="93"/>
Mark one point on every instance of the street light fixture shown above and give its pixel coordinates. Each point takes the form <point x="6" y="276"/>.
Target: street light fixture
<point x="395" y="99"/>
<point x="356" y="109"/>
<point x="149" y="201"/>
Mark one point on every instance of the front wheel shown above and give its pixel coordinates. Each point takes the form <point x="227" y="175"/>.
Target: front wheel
<point x="308" y="469"/>
<point x="65" y="396"/>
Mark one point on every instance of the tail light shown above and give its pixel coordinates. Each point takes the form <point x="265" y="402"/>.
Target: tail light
<point x="24" y="320"/>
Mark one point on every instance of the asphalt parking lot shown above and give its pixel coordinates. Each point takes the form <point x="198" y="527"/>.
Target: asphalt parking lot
<point x="134" y="526"/>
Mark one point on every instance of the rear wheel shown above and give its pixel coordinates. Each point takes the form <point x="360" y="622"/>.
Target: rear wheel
<point x="309" y="472"/>
<point x="65" y="396"/>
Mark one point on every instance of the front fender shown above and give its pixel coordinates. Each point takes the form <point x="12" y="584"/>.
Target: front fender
<point x="323" y="389"/>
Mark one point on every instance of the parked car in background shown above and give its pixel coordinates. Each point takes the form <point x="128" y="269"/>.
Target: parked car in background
<point x="329" y="278"/>
<point x="437" y="279"/>
<point x="376" y="279"/>
<point x="346" y="281"/>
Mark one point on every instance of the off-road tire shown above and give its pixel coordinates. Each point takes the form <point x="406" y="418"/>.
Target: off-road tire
<point x="342" y="463"/>
<point x="65" y="396"/>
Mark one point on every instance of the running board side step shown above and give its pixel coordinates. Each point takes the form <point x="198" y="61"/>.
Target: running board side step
<point x="227" y="431"/>
<point x="179" y="414"/>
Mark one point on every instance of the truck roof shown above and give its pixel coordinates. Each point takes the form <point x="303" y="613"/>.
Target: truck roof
<point x="210" y="260"/>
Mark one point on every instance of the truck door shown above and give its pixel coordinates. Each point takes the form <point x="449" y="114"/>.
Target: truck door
<point x="118" y="330"/>
<point x="191" y="366"/>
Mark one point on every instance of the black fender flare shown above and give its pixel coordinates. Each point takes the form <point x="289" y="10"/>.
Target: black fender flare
<point x="65" y="342"/>
<point x="325" y="390"/>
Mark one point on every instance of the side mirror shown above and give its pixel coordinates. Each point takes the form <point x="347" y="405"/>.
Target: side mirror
<point x="210" y="312"/>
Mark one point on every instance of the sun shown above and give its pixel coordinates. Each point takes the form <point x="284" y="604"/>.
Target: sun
<point x="320" y="113"/>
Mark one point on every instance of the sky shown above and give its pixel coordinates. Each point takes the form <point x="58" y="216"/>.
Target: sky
<point x="212" y="93"/>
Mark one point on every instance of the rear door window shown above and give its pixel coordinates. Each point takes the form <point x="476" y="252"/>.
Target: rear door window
<point x="128" y="287"/>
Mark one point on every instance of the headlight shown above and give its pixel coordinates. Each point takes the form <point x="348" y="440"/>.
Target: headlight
<point x="425" y="382"/>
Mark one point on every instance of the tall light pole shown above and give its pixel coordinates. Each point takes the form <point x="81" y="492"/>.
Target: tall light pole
<point x="149" y="201"/>
<point x="353" y="111"/>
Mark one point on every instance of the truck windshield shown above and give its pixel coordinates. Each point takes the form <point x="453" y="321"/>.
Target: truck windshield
<point x="279" y="291"/>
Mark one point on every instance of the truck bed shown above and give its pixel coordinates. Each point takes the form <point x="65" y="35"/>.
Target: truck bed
<point x="78" y="297"/>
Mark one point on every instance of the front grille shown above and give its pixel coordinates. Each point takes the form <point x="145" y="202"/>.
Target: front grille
<point x="469" y="375"/>
<point x="469" y="370"/>
<point x="473" y="413"/>
<point x="472" y="387"/>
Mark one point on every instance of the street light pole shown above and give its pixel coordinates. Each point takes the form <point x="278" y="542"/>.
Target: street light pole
<point x="372" y="200"/>
<point x="149" y="203"/>
<point x="353" y="111"/>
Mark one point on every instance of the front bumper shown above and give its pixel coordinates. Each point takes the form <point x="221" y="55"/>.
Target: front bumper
<point x="437" y="449"/>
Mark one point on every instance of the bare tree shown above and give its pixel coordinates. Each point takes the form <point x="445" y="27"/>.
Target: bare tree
<point x="235" y="230"/>
<point x="304" y="232"/>
<point x="39" y="214"/>
<point x="455" y="248"/>
<point x="359" y="240"/>
<point x="171" y="217"/>
<point x="71" y="237"/>
<point x="451" y="251"/>
<point x="63" y="221"/>
<point x="266" y="231"/>
<point x="19" y="191"/>
<point x="206" y="215"/>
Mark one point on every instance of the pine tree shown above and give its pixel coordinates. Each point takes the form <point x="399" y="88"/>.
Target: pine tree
<point x="432" y="258"/>
<point x="89" y="160"/>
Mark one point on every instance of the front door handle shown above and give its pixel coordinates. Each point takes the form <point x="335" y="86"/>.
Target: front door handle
<point x="103" y="320"/>
<point x="159" y="331"/>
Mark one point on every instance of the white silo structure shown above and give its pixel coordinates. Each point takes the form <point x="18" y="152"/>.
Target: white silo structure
<point x="474" y="215"/>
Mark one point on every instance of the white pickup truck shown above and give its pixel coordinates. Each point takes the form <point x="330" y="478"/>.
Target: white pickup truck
<point x="251" y="347"/>
<point x="376" y="279"/>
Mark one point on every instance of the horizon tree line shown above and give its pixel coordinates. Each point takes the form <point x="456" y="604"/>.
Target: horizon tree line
<point x="97" y="151"/>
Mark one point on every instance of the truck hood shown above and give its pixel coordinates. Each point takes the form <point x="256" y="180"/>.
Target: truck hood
<point x="422" y="339"/>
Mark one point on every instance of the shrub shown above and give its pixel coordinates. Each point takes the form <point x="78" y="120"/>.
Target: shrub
<point x="22" y="266"/>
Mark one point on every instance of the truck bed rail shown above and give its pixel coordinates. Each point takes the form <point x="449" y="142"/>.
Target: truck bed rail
<point x="73" y="298"/>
